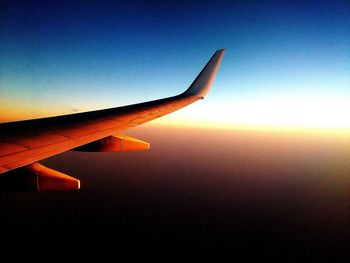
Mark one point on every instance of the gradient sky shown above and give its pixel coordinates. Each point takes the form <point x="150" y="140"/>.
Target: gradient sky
<point x="286" y="65"/>
<point x="250" y="193"/>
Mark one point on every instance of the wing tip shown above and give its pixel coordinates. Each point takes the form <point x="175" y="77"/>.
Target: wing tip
<point x="201" y="85"/>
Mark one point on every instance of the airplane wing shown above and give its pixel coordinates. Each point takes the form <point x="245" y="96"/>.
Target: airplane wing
<point x="24" y="143"/>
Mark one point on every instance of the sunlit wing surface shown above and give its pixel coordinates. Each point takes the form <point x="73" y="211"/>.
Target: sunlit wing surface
<point x="24" y="143"/>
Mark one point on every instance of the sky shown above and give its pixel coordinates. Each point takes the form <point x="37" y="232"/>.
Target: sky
<point x="287" y="63"/>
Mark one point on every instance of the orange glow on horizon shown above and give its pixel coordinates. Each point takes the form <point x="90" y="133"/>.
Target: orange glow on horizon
<point x="16" y="110"/>
<point x="262" y="128"/>
<point x="308" y="114"/>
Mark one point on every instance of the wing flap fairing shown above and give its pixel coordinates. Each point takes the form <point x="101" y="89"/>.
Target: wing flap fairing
<point x="115" y="143"/>
<point x="37" y="178"/>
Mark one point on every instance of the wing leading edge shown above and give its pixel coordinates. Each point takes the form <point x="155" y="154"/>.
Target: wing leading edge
<point x="23" y="143"/>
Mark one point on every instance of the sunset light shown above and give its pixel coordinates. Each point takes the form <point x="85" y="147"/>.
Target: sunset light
<point x="210" y="129"/>
<point x="269" y="113"/>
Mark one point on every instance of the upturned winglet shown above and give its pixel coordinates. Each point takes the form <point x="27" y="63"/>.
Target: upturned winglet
<point x="201" y="85"/>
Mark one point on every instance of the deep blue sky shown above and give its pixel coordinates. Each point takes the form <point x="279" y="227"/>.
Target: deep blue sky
<point x="67" y="56"/>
